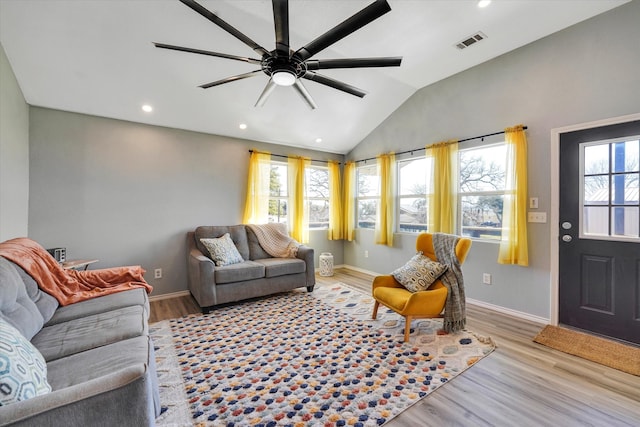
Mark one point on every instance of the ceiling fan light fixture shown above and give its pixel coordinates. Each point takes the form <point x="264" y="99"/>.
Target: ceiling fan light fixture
<point x="283" y="78"/>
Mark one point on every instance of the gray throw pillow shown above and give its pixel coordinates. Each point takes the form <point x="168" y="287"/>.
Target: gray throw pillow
<point x="222" y="250"/>
<point x="419" y="273"/>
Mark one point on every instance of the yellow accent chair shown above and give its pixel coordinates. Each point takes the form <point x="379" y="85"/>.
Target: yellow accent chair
<point x="422" y="304"/>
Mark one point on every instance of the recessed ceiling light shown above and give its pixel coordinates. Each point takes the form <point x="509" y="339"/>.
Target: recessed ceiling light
<point x="147" y="108"/>
<point x="242" y="126"/>
<point x="483" y="3"/>
<point x="318" y="140"/>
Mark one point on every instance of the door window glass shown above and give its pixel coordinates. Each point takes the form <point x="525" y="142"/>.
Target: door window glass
<point x="610" y="176"/>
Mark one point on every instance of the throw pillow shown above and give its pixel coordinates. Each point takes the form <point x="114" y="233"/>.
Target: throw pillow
<point x="419" y="273"/>
<point x="222" y="250"/>
<point x="23" y="371"/>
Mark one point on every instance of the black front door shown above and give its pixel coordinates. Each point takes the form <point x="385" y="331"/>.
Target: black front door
<point x="599" y="248"/>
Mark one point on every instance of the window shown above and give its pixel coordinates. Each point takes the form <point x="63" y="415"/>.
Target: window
<point x="610" y="201"/>
<point x="481" y="191"/>
<point x="317" y="190"/>
<point x="278" y="193"/>
<point x="367" y="194"/>
<point x="414" y="176"/>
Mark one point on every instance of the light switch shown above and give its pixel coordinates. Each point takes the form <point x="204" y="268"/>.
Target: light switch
<point x="533" y="203"/>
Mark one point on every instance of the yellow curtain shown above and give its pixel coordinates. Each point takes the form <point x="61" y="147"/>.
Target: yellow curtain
<point x="349" y="196"/>
<point x="256" y="208"/>
<point x="336" y="230"/>
<point x="513" y="243"/>
<point x="385" y="214"/>
<point x="442" y="198"/>
<point x="297" y="212"/>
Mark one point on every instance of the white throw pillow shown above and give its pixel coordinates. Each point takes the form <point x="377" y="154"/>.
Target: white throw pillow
<point x="222" y="250"/>
<point x="23" y="371"/>
<point x="419" y="273"/>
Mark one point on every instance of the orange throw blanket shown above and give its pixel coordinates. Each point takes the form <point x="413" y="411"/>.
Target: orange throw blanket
<point x="70" y="286"/>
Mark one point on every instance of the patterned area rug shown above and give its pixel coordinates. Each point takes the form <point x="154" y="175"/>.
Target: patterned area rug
<point x="303" y="359"/>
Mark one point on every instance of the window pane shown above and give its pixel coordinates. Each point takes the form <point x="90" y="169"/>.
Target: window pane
<point x="595" y="220"/>
<point x="318" y="214"/>
<point x="624" y="221"/>
<point x="625" y="156"/>
<point x="413" y="176"/>
<point x="277" y="210"/>
<point x="482" y="216"/>
<point x="596" y="159"/>
<point x="413" y="214"/>
<point x="278" y="183"/>
<point x="483" y="169"/>
<point x="596" y="190"/>
<point x="317" y="181"/>
<point x="367" y="213"/>
<point x="625" y="189"/>
<point x="368" y="182"/>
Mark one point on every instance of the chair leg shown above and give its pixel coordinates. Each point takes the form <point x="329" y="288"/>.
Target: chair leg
<point x="407" y="328"/>
<point x="375" y="310"/>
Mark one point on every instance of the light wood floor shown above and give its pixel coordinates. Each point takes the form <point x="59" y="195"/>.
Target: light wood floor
<point x="520" y="384"/>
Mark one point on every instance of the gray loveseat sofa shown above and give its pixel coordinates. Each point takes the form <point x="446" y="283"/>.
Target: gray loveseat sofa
<point x="98" y="353"/>
<point x="258" y="275"/>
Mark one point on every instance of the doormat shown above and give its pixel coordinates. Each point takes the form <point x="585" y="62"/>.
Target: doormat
<point x="301" y="359"/>
<point x="606" y="352"/>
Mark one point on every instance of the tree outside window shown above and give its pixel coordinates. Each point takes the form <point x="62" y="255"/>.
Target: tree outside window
<point x="367" y="194"/>
<point x="317" y="190"/>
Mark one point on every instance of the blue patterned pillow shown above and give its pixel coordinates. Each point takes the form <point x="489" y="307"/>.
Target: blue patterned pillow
<point x="222" y="250"/>
<point x="419" y="273"/>
<point x="23" y="371"/>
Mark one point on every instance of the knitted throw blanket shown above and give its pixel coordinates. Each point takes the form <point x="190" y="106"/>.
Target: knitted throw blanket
<point x="454" y="310"/>
<point x="275" y="240"/>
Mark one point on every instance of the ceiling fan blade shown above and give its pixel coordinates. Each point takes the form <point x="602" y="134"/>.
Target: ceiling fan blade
<point x="225" y="26"/>
<point x="231" y="79"/>
<point x="305" y="94"/>
<point x="325" y="64"/>
<point x="207" y="52"/>
<point x="318" y="78"/>
<point x="357" y="21"/>
<point x="265" y="93"/>
<point x="281" y="22"/>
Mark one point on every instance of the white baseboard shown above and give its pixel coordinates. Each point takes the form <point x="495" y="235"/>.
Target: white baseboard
<point x="509" y="311"/>
<point x="359" y="270"/>
<point x="170" y="295"/>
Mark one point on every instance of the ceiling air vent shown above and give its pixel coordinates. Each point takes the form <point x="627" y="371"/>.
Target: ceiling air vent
<point x="472" y="39"/>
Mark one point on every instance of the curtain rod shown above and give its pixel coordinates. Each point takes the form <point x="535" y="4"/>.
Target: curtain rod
<point x="286" y="157"/>
<point x="423" y="148"/>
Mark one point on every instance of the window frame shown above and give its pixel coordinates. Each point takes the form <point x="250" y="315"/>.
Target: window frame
<point x="375" y="198"/>
<point x="399" y="195"/>
<point x="308" y="199"/>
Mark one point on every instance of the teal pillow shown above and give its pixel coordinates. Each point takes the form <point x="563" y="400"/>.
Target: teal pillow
<point x="419" y="273"/>
<point x="23" y="371"/>
<point x="222" y="250"/>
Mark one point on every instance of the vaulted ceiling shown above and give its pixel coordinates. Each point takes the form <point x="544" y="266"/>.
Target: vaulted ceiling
<point x="97" y="57"/>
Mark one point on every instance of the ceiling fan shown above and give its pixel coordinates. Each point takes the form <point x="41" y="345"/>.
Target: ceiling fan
<point x="286" y="67"/>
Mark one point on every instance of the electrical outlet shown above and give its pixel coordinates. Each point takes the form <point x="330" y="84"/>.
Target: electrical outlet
<point x="157" y="273"/>
<point x="486" y="278"/>
<point x="537" y="217"/>
<point x="366" y="254"/>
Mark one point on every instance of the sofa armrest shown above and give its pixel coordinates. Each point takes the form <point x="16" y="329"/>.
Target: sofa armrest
<point x="120" y="398"/>
<point x="306" y="254"/>
<point x="201" y="274"/>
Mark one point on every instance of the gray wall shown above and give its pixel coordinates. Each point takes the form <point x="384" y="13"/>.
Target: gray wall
<point x="587" y="72"/>
<point x="127" y="193"/>
<point x="14" y="155"/>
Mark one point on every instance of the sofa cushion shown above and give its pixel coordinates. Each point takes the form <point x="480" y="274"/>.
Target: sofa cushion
<point x="23" y="371"/>
<point x="255" y="249"/>
<point x="15" y="305"/>
<point x="282" y="266"/>
<point x="238" y="234"/>
<point x="102" y="304"/>
<point x="247" y="270"/>
<point x="46" y="303"/>
<point x="222" y="250"/>
<point x="84" y="333"/>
